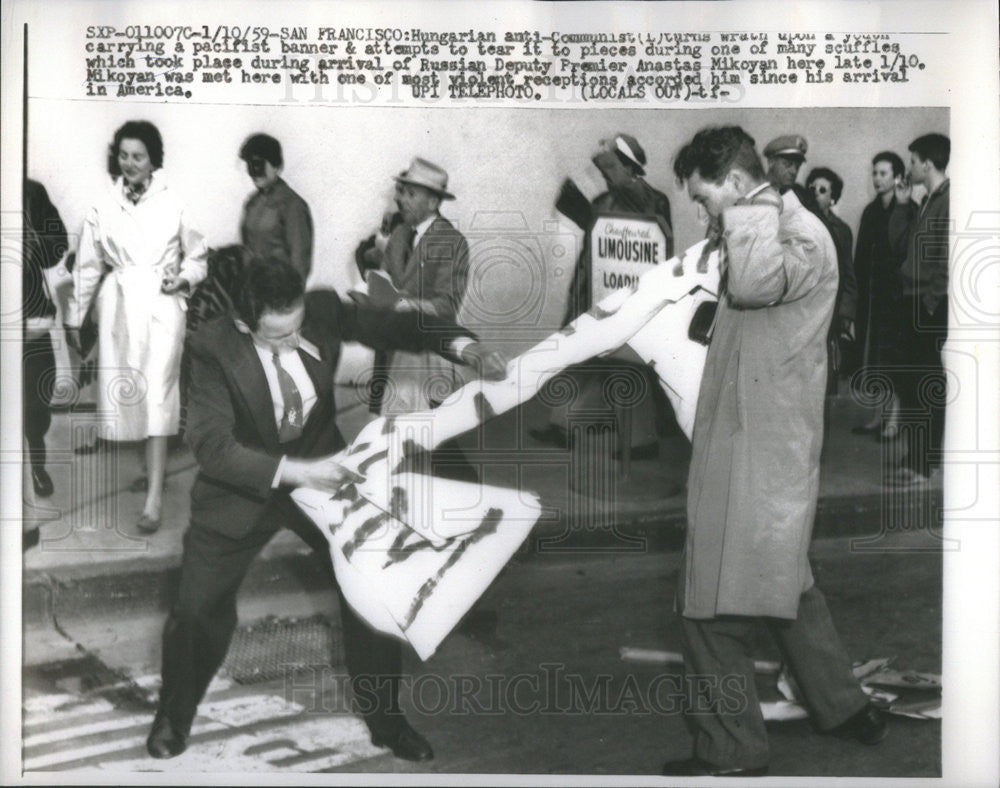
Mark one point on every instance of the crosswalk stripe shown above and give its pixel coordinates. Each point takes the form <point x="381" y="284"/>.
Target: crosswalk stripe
<point x="218" y="714"/>
<point x="296" y="745"/>
<point x="78" y="731"/>
<point x="247" y="710"/>
<point x="42" y="711"/>
<point x="51" y="760"/>
<point x="58" y="722"/>
<point x="261" y="732"/>
<point x="69" y="715"/>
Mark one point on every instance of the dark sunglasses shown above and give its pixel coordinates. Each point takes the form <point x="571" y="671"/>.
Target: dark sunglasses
<point x="256" y="166"/>
<point x="819" y="189"/>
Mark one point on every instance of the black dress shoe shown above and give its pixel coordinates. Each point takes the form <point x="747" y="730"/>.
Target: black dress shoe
<point x="868" y="726"/>
<point x="405" y="743"/>
<point x="165" y="741"/>
<point x="696" y="767"/>
<point x="41" y="481"/>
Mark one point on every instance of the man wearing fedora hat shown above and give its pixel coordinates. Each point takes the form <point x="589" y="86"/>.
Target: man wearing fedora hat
<point x="426" y="261"/>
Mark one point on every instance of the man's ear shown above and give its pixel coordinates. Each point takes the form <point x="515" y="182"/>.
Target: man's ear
<point x="242" y="327"/>
<point x="737" y="178"/>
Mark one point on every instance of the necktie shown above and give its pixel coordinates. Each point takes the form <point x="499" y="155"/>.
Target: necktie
<point x="291" y="420"/>
<point x="411" y="237"/>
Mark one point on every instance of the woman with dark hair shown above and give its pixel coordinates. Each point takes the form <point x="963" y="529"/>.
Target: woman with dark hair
<point x="877" y="265"/>
<point x="276" y="223"/>
<point x="826" y="187"/>
<point x="139" y="257"/>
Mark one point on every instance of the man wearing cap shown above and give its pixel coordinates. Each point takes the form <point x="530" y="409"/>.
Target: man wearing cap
<point x="276" y="222"/>
<point x="621" y="161"/>
<point x="425" y="267"/>
<point x="785" y="156"/>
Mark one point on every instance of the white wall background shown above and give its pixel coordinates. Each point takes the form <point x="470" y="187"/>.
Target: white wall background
<point x="341" y="161"/>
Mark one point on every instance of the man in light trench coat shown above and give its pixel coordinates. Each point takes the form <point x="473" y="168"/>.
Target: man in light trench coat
<point x="754" y="473"/>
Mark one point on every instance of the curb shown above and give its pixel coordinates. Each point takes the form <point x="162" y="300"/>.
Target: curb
<point x="98" y="590"/>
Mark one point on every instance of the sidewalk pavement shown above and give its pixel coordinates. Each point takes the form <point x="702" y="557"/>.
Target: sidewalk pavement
<point x="91" y="557"/>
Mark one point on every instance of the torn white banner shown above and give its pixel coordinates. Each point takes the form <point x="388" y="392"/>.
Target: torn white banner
<point x="413" y="552"/>
<point x="873" y="675"/>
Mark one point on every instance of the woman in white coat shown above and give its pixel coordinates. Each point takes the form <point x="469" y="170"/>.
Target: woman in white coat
<point x="140" y="257"/>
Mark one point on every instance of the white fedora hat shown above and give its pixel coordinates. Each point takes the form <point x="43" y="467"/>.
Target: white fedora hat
<point x="424" y="173"/>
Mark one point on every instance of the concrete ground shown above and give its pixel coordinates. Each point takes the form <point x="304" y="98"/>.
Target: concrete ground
<point x="596" y="575"/>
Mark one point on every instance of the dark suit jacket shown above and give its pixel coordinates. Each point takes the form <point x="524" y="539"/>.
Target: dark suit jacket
<point x="277" y="223"/>
<point x="847" y="290"/>
<point x="436" y="273"/>
<point x="231" y="426"/>
<point x="920" y="235"/>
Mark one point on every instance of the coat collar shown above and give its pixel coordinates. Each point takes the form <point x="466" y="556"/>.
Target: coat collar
<point x="249" y="377"/>
<point x="248" y="374"/>
<point x="421" y="229"/>
<point x="157" y="183"/>
<point x="790" y="201"/>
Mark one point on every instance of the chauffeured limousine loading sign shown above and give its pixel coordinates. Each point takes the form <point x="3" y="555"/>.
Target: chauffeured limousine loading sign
<point x="623" y="248"/>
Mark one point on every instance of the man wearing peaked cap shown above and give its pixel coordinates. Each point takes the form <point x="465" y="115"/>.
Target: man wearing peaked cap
<point x="793" y="145"/>
<point x="785" y="155"/>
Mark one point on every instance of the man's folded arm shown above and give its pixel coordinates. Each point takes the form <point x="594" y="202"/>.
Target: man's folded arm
<point x="764" y="269"/>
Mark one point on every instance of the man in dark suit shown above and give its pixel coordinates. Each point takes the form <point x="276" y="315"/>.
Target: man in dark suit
<point x="919" y="232"/>
<point x="261" y="421"/>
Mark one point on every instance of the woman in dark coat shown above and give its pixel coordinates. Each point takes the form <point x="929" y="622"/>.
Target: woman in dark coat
<point x="826" y="187"/>
<point x="276" y="222"/>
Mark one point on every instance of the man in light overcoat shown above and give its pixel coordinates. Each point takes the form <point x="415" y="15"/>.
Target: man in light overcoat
<point x="754" y="474"/>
